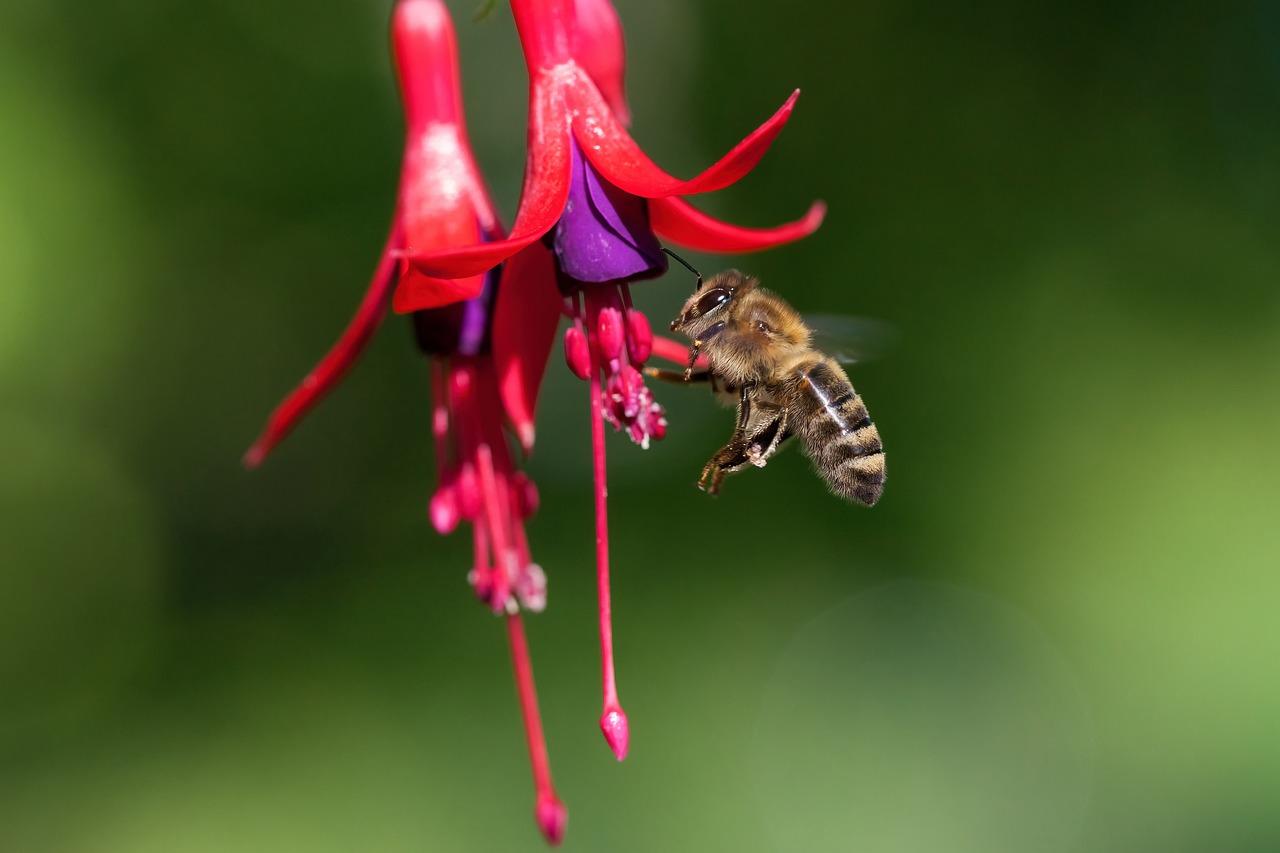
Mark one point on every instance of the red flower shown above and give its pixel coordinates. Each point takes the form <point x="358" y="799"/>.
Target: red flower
<point x="574" y="54"/>
<point x="443" y="202"/>
<point x="566" y="104"/>
<point x="594" y="194"/>
<point x="600" y="204"/>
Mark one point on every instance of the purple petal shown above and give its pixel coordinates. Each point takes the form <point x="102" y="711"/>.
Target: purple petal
<point x="461" y="328"/>
<point x="604" y="233"/>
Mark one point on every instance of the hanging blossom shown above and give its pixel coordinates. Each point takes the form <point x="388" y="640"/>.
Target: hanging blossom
<point x="601" y="204"/>
<point x="442" y="202"/>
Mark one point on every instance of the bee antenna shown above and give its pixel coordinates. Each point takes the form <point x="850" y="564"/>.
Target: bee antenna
<point x="686" y="265"/>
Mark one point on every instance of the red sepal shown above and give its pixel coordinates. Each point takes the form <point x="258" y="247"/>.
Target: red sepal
<point x="618" y="158"/>
<point x="524" y="330"/>
<point x="676" y="220"/>
<point x="599" y="48"/>
<point x="337" y="361"/>
<point x="542" y="199"/>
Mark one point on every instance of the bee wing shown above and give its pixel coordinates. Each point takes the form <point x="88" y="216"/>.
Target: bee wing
<point x="849" y="339"/>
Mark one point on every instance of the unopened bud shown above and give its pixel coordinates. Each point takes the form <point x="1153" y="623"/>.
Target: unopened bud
<point x="577" y="353"/>
<point x="443" y="510"/>
<point x="610" y="333"/>
<point x="617" y="731"/>
<point x="552" y="817"/>
<point x="639" y="337"/>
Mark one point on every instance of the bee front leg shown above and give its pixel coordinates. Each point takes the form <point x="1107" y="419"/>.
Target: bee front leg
<point x="676" y="376"/>
<point x="695" y="349"/>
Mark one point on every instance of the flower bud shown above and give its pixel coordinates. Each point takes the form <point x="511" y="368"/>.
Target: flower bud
<point x="617" y="732"/>
<point x="639" y="337"/>
<point x="443" y="509"/>
<point x="577" y="353"/>
<point x="609" y="333"/>
<point x="552" y="817"/>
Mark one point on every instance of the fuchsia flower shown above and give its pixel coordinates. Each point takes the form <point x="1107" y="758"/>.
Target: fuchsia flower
<point x="601" y="203"/>
<point x="486" y="306"/>
<point x="443" y="202"/>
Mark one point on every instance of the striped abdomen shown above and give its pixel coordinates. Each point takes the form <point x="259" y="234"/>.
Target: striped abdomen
<point x="837" y="432"/>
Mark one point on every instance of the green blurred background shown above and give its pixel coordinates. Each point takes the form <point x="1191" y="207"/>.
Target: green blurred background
<point x="1057" y="632"/>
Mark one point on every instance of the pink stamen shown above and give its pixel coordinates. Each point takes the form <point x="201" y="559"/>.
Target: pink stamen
<point x="548" y="811"/>
<point x="675" y="352"/>
<point x="491" y="498"/>
<point x="613" y="720"/>
<point x="443" y="510"/>
<point x="577" y="354"/>
<point x="639" y="337"/>
<point x="609" y="333"/>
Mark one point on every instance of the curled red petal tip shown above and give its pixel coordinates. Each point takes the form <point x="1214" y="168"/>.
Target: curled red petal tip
<point x="253" y="456"/>
<point x="624" y="164"/>
<point x="676" y="220"/>
<point x="527" y="436"/>
<point x="325" y="375"/>
<point x="617" y="731"/>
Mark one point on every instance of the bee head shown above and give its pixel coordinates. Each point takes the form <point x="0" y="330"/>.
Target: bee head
<point x="711" y="304"/>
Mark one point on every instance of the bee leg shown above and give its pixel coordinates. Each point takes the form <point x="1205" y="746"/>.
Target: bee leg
<point x="733" y="455"/>
<point x="713" y="473"/>
<point x="766" y="441"/>
<point x="676" y="376"/>
<point x="696" y="349"/>
<point x="745" y="396"/>
<point x="704" y="479"/>
<point x="716" y="480"/>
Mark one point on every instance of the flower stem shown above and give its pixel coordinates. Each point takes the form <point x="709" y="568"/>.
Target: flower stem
<point x="549" y="811"/>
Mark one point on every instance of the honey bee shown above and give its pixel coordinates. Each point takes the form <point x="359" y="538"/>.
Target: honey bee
<point x="760" y="355"/>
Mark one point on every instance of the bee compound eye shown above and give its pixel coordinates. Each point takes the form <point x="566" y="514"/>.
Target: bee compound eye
<point x="712" y="300"/>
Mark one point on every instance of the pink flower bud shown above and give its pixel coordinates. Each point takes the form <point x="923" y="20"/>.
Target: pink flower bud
<point x="617" y="732"/>
<point x="443" y="510"/>
<point x="639" y="337"/>
<point x="609" y="333"/>
<point x="577" y="354"/>
<point x="552" y="817"/>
